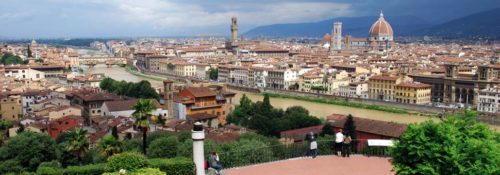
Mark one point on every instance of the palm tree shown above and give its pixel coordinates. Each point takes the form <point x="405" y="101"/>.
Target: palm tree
<point x="78" y="142"/>
<point x="110" y="145"/>
<point x="142" y="112"/>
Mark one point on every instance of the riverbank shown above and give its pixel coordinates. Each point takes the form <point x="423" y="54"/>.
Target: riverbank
<point x="341" y="103"/>
<point x="134" y="71"/>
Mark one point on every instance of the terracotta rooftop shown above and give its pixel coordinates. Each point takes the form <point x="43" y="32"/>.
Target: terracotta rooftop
<point x="390" y="129"/>
<point x="414" y="85"/>
<point x="385" y="78"/>
<point x="200" y="91"/>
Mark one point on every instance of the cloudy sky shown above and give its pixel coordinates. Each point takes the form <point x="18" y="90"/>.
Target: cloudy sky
<point x="131" y="18"/>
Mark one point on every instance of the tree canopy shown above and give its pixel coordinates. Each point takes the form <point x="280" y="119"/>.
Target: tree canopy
<point x="458" y="145"/>
<point x="26" y="151"/>
<point x="214" y="73"/>
<point x="8" y="59"/>
<point x="141" y="89"/>
<point x="261" y="116"/>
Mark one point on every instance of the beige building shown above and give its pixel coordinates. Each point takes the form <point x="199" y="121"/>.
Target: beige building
<point x="381" y="87"/>
<point x="185" y="69"/>
<point x="59" y="112"/>
<point x="413" y="93"/>
<point x="10" y="107"/>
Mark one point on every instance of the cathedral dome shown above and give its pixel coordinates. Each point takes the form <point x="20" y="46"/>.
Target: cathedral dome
<point x="381" y="30"/>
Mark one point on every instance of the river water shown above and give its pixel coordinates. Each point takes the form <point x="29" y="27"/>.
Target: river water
<point x="316" y="109"/>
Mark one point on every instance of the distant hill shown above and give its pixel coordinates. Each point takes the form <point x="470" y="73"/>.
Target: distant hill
<point x="355" y="26"/>
<point x="485" y="23"/>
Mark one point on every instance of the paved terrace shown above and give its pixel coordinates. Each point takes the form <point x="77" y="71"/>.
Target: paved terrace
<point x="322" y="165"/>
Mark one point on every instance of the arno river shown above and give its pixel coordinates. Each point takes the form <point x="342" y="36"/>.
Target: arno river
<point x="316" y="109"/>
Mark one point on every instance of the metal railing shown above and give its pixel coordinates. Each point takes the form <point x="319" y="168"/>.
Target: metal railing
<point x="246" y="157"/>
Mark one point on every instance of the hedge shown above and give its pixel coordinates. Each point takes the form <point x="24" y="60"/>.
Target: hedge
<point x="128" y="160"/>
<point x="175" y="166"/>
<point x="142" y="171"/>
<point x="91" y="169"/>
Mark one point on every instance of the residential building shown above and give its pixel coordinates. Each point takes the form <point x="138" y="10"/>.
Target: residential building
<point x="63" y="124"/>
<point x="489" y="100"/>
<point x="30" y="98"/>
<point x="91" y="101"/>
<point x="381" y="87"/>
<point x="125" y="108"/>
<point x="10" y="107"/>
<point x="54" y="113"/>
<point x="201" y="103"/>
<point x="413" y="93"/>
<point x="354" y="90"/>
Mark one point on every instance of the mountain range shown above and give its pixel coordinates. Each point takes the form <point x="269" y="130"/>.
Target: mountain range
<point x="479" y="24"/>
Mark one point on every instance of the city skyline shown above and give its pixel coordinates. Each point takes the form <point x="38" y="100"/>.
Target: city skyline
<point x="126" y="18"/>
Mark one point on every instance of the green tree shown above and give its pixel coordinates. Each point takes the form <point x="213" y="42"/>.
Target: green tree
<point x="30" y="54"/>
<point x="132" y="145"/>
<point x="20" y="129"/>
<point x="114" y="132"/>
<point x="266" y="106"/>
<point x="110" y="145"/>
<point x="8" y="59"/>
<point x="319" y="89"/>
<point x="214" y="73"/>
<point x="458" y="145"/>
<point x="163" y="147"/>
<point x="2" y="138"/>
<point x="141" y="116"/>
<point x="106" y="83"/>
<point x="350" y="127"/>
<point x="327" y="129"/>
<point x="128" y="160"/>
<point x="5" y="124"/>
<point x="26" y="151"/>
<point x="77" y="143"/>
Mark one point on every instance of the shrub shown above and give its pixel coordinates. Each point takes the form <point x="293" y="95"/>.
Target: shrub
<point x="91" y="169"/>
<point x="49" y="168"/>
<point x="163" y="147"/>
<point x="52" y="164"/>
<point x="129" y="161"/>
<point x="143" y="171"/>
<point x="176" y="166"/>
<point x="48" y="171"/>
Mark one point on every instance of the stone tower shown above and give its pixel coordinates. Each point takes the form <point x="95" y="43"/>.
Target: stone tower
<point x="336" y="43"/>
<point x="168" y="96"/>
<point x="234" y="29"/>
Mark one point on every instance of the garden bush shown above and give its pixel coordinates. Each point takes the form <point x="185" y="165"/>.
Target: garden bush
<point x="128" y="160"/>
<point x="91" y="169"/>
<point x="175" y="166"/>
<point x="143" y="171"/>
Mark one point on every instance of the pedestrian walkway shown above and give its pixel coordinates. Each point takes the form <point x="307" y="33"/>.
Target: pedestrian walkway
<point x="323" y="165"/>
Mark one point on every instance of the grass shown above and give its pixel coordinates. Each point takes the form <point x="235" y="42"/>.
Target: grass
<point x="341" y="103"/>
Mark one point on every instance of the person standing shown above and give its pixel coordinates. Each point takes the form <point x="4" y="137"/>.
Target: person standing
<point x="346" y="147"/>
<point x="313" y="148"/>
<point x="214" y="162"/>
<point x="339" y="138"/>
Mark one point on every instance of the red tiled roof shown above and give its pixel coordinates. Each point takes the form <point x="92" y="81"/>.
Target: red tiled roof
<point x="200" y="91"/>
<point x="414" y="85"/>
<point x="384" y="128"/>
<point x="382" y="77"/>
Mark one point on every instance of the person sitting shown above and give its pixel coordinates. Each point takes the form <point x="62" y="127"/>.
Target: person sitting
<point x="214" y="162"/>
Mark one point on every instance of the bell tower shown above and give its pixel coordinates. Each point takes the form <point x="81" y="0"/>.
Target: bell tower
<point x="336" y="43"/>
<point x="234" y="29"/>
<point x="168" y="96"/>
